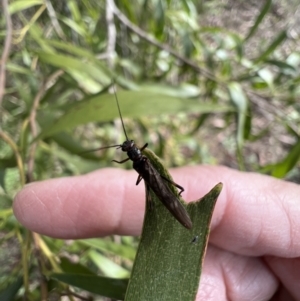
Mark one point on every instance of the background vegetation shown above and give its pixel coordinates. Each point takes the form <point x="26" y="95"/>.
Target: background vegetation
<point x="202" y="82"/>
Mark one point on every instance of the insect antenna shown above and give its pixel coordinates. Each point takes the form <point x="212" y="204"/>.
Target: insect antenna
<point x="99" y="148"/>
<point x="117" y="101"/>
<point x="117" y="145"/>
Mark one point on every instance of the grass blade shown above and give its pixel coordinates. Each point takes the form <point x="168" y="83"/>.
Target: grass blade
<point x="259" y="19"/>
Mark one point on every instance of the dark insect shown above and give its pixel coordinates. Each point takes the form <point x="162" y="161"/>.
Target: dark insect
<point x="195" y="239"/>
<point x="152" y="178"/>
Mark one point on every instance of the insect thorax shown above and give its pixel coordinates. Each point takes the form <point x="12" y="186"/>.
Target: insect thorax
<point x="134" y="153"/>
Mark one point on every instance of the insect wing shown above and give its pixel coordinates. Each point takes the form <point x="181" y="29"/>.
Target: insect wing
<point x="164" y="193"/>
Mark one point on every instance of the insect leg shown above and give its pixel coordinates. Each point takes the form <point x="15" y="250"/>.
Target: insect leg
<point x="144" y="147"/>
<point x="175" y="184"/>
<point x="120" y="162"/>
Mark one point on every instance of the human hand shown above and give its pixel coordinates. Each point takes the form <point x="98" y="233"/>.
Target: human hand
<point x="254" y="245"/>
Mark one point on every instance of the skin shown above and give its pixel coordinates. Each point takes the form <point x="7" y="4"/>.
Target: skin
<point x="254" y="245"/>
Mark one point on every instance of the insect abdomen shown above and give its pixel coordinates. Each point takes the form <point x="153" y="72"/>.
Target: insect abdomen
<point x="162" y="191"/>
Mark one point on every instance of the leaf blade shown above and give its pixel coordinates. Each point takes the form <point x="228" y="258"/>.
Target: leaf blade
<point x="168" y="262"/>
<point x="134" y="104"/>
<point x="108" y="287"/>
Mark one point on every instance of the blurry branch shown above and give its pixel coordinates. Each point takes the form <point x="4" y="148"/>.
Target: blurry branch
<point x="43" y="252"/>
<point x="38" y="254"/>
<point x="53" y="18"/>
<point x="6" y="50"/>
<point x="149" y="38"/>
<point x="14" y="147"/>
<point x="26" y="28"/>
<point x="111" y="32"/>
<point x="32" y="120"/>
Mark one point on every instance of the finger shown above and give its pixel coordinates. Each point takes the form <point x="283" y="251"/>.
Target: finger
<point x="97" y="204"/>
<point x="255" y="214"/>
<point x="226" y="276"/>
<point x="288" y="272"/>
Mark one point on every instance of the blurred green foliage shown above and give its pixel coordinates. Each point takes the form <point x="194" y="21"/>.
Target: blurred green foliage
<point x="180" y="81"/>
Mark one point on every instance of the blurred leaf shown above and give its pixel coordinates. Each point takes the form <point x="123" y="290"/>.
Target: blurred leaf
<point x="9" y="293"/>
<point x="248" y="124"/>
<point x="134" y="104"/>
<point x="73" y="49"/>
<point x="73" y="163"/>
<point x="17" y="69"/>
<point x="280" y="170"/>
<point x="174" y="273"/>
<point x="188" y="46"/>
<point x="74" y="10"/>
<point x="280" y="64"/>
<point x="110" y="246"/>
<point x="20" y="5"/>
<point x="5" y="201"/>
<point x="67" y="141"/>
<point x="107" y="287"/>
<point x="259" y="19"/>
<point x="107" y="266"/>
<point x="190" y="8"/>
<point x="276" y="42"/>
<point x="37" y="34"/>
<point x="74" y="268"/>
<point x="88" y="76"/>
<point x="181" y="91"/>
<point x="267" y="76"/>
<point x="159" y="18"/>
<point x="293" y="60"/>
<point x="292" y="131"/>
<point x="78" y="28"/>
<point x="239" y="99"/>
<point x="200" y="122"/>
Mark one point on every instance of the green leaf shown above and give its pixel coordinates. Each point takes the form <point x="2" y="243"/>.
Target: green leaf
<point x="275" y="43"/>
<point x="159" y="18"/>
<point x="239" y="99"/>
<point x="68" y="142"/>
<point x="281" y="169"/>
<point x="169" y="260"/>
<point x="37" y="34"/>
<point x="74" y="268"/>
<point x="180" y="91"/>
<point x="110" y="246"/>
<point x="108" y="287"/>
<point x="281" y="65"/>
<point x="76" y="26"/>
<point x="259" y="19"/>
<point x="72" y="49"/>
<point x="88" y="76"/>
<point x="5" y="202"/>
<point x="20" y="5"/>
<point x="9" y="293"/>
<point x="18" y="69"/>
<point x="267" y="76"/>
<point x="74" y="10"/>
<point x="103" y="108"/>
<point x="107" y="266"/>
<point x="7" y="163"/>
